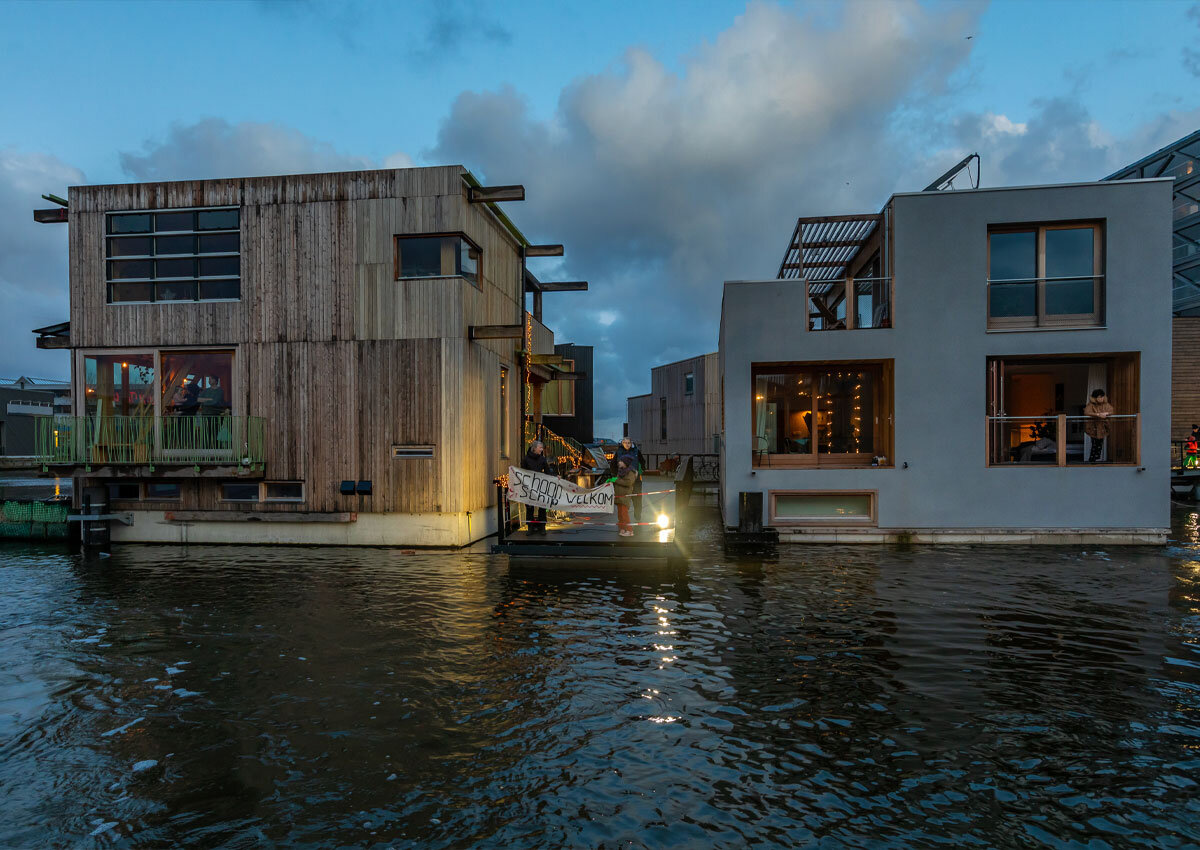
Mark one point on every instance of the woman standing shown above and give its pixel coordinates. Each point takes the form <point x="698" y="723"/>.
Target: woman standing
<point x="1097" y="411"/>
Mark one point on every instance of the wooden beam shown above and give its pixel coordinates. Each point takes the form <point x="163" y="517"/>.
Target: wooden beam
<point x="260" y="516"/>
<point x="543" y="250"/>
<point x="496" y="331"/>
<point x="829" y="219"/>
<point x="50" y="216"/>
<point x="53" y="342"/>
<point x="492" y="194"/>
<point x="566" y="286"/>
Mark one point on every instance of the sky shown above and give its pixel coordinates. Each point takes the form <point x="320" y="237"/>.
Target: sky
<point x="670" y="146"/>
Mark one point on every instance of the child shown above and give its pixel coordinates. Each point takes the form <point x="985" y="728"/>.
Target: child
<point x="623" y="486"/>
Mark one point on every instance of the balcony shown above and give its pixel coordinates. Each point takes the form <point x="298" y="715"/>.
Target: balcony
<point x="91" y="442"/>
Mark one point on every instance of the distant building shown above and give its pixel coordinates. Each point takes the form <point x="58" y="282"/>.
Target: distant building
<point x="1181" y="162"/>
<point x="922" y="373"/>
<point x="567" y="405"/>
<point x="24" y="402"/>
<point x="682" y="412"/>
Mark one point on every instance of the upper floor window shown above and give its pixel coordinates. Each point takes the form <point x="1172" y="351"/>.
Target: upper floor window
<point x="437" y="255"/>
<point x="173" y="255"/>
<point x="1045" y="275"/>
<point x="689" y="383"/>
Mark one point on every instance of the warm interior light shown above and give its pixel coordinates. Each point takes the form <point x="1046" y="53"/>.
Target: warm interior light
<point x="663" y="521"/>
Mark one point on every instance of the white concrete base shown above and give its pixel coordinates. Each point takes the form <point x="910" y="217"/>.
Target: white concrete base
<point x="961" y="536"/>
<point x="436" y="530"/>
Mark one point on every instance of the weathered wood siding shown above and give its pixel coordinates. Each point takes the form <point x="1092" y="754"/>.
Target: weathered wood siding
<point x="339" y="357"/>
<point x="1185" y="376"/>
<point x="692" y="420"/>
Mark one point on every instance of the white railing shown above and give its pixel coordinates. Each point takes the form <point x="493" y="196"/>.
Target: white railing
<point x="31" y="408"/>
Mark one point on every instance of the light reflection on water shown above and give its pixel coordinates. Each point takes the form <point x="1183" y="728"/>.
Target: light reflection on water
<point x="874" y="696"/>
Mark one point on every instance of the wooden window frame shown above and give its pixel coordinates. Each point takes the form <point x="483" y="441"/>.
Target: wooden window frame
<point x="885" y="401"/>
<point x="871" y="521"/>
<point x="255" y="501"/>
<point x="1041" y="321"/>
<point x="477" y="282"/>
<point x="264" y="493"/>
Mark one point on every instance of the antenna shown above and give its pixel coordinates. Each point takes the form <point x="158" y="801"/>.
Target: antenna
<point x="946" y="181"/>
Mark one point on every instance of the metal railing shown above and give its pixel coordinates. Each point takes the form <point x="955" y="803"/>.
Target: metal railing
<point x="558" y="447"/>
<point x="104" y="440"/>
<point x="1060" y="440"/>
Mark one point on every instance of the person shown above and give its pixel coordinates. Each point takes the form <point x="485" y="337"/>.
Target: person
<point x="535" y="460"/>
<point x="1191" y="449"/>
<point x="623" y="488"/>
<point x="638" y="464"/>
<point x="1097" y="411"/>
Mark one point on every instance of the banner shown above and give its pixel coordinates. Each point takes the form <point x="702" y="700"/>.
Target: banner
<point x="555" y="494"/>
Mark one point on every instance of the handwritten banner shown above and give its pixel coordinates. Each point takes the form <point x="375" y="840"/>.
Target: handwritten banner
<point x="546" y="491"/>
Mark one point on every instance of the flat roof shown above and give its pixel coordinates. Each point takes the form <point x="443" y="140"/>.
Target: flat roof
<point x="1094" y="183"/>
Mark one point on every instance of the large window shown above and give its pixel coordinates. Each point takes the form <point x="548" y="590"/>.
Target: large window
<point x="173" y="255"/>
<point x="437" y="255"/>
<point x="1045" y="275"/>
<point x="814" y="414"/>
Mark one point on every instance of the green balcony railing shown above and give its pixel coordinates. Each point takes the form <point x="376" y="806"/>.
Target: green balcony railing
<point x="105" y="440"/>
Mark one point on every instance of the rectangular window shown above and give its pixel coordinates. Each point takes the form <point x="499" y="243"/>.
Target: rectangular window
<point x="689" y="384"/>
<point x="503" y="411"/>
<point x="239" y="492"/>
<point x="822" y="507"/>
<point x="1045" y="276"/>
<point x="125" y="492"/>
<point x="1041" y="410"/>
<point x="822" y="414"/>
<point x="662" y="419"/>
<point x="284" y="491"/>
<point x="437" y="255"/>
<point x="173" y="255"/>
<point x="164" y="491"/>
<point x="412" y="451"/>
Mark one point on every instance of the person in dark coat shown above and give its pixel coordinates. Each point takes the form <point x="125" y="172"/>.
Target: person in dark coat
<point x="535" y="460"/>
<point x="639" y="465"/>
<point x="623" y="488"/>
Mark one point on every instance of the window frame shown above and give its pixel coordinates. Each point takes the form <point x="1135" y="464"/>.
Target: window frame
<point x="870" y="521"/>
<point x="266" y="497"/>
<point x="79" y="391"/>
<point x="474" y="281"/>
<point x="196" y="279"/>
<point x="257" y="500"/>
<point x="1041" y="320"/>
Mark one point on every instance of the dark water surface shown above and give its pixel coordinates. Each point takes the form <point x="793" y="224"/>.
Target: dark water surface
<point x="841" y="696"/>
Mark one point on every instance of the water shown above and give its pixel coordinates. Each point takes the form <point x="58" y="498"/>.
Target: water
<point x="867" y="696"/>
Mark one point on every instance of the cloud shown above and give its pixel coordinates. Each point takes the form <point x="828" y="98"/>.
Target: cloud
<point x="33" y="262"/>
<point x="213" y="147"/>
<point x="1191" y="56"/>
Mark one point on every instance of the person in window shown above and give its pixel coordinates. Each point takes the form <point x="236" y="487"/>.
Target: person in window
<point x="535" y="461"/>
<point x="212" y="398"/>
<point x="189" y="402"/>
<point x="1097" y="411"/>
<point x="628" y="449"/>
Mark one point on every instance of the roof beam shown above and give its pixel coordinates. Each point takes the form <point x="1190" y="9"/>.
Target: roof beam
<point x="496" y="331"/>
<point x="493" y="194"/>
<point x="565" y="286"/>
<point x="50" y="216"/>
<point x="543" y="250"/>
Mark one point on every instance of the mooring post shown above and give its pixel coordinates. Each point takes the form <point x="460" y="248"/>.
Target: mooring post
<point x="501" y="519"/>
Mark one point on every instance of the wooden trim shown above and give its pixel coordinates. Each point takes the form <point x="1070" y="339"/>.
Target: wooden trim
<point x="565" y="286"/>
<point x="869" y="522"/>
<point x="53" y="342"/>
<point x="543" y="250"/>
<point x="54" y="215"/>
<point x="494" y="194"/>
<point x="475" y="332"/>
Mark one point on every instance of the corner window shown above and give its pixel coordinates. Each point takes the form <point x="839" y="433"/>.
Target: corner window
<point x="173" y="255"/>
<point x="1045" y="276"/>
<point x="437" y="255"/>
<point x="689" y="384"/>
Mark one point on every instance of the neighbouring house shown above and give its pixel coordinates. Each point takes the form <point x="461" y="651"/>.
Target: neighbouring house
<point x="681" y="415"/>
<point x="325" y="358"/>
<point x="1180" y="162"/>
<point x="567" y="405"/>
<point x="25" y="401"/>
<point x="921" y="374"/>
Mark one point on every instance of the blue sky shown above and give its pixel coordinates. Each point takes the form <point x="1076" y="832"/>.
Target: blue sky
<point x="669" y="145"/>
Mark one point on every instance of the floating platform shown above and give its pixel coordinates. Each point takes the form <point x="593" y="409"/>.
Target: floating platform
<point x="592" y="540"/>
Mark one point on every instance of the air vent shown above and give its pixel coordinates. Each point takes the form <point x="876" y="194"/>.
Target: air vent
<point x="412" y="451"/>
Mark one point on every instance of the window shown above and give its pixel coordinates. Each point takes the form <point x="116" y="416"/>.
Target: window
<point x="558" y="397"/>
<point x="662" y="419"/>
<point x="1037" y="410"/>
<point x="822" y="507"/>
<point x="437" y="255"/>
<point x="196" y="383"/>
<point x="689" y="384"/>
<point x="162" y="491"/>
<point x="1045" y="276"/>
<point x="173" y="255"/>
<point x="503" y="411"/>
<point x="284" y="491"/>
<point x="125" y="492"/>
<point x="822" y="414"/>
<point x="239" y="492"/>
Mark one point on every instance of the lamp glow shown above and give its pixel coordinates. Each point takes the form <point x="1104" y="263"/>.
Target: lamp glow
<point x="663" y="521"/>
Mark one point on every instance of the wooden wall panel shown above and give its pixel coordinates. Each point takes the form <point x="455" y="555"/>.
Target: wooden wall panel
<point x="1185" y="376"/>
<point x="692" y="420"/>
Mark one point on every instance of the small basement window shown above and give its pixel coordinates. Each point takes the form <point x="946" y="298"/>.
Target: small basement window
<point x="437" y="255"/>
<point x="822" y="508"/>
<point x="284" y="491"/>
<point x="412" y="451"/>
<point x="239" y="492"/>
<point x="125" y="492"/>
<point x="163" y="491"/>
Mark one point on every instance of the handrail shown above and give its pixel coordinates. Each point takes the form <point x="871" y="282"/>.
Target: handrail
<point x="105" y="440"/>
<point x="557" y="446"/>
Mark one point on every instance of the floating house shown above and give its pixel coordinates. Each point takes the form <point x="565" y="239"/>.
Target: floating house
<point x="920" y="374"/>
<point x="339" y="358"/>
<point x="681" y="415"/>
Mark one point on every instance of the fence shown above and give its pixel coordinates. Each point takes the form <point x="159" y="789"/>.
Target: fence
<point x="101" y="440"/>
